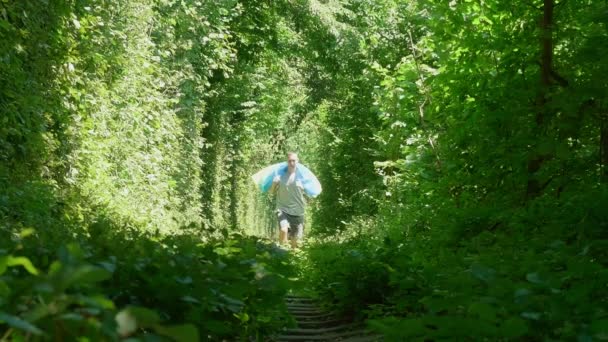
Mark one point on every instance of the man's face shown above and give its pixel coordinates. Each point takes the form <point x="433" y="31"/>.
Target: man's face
<point x="292" y="161"/>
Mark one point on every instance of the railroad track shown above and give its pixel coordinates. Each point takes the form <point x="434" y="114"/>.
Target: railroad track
<point x="315" y="324"/>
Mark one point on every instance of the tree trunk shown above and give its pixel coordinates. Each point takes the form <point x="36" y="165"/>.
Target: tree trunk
<point x="536" y="161"/>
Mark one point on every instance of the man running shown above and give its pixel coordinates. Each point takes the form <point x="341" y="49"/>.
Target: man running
<point x="291" y="204"/>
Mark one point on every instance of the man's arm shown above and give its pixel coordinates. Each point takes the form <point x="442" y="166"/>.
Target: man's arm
<point x="275" y="185"/>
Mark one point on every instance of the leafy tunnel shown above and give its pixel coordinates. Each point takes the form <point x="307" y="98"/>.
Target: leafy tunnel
<point x="462" y="147"/>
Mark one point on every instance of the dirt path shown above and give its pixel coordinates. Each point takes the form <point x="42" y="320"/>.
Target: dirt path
<point x="314" y="324"/>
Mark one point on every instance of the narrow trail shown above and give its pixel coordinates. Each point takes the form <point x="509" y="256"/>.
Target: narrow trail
<point x="315" y="324"/>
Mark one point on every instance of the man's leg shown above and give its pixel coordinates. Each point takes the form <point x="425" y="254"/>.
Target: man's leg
<point x="296" y="231"/>
<point x="283" y="227"/>
<point x="282" y="236"/>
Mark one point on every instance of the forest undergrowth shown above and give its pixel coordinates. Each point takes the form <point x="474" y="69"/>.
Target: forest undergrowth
<point x="107" y="283"/>
<point x="537" y="273"/>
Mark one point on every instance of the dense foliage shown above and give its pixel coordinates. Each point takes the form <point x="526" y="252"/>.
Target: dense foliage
<point x="126" y="140"/>
<point x="462" y="146"/>
<point x="123" y="283"/>
<point x="490" y="142"/>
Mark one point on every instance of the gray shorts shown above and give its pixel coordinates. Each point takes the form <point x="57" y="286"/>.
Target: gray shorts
<point x="294" y="224"/>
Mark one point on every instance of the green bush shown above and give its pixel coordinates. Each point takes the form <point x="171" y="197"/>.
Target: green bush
<point x="121" y="283"/>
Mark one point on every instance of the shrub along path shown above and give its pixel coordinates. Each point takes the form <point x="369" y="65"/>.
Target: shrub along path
<point x="315" y="324"/>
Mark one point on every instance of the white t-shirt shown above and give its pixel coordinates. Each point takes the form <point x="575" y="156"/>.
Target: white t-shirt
<point x="290" y="195"/>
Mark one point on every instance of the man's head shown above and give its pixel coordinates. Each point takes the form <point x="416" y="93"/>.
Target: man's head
<point x="292" y="161"/>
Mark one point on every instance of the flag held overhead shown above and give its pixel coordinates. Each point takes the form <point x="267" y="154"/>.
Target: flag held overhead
<point x="263" y="178"/>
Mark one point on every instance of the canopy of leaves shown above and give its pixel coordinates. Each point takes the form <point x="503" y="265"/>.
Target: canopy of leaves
<point x="462" y="146"/>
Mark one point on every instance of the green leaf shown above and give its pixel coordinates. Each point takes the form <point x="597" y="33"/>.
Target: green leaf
<point x="26" y="232"/>
<point x="190" y="299"/>
<point x="180" y="333"/>
<point x="96" y="301"/>
<point x="20" y="261"/>
<point x="243" y="317"/>
<point x="18" y="323"/>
